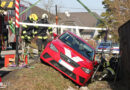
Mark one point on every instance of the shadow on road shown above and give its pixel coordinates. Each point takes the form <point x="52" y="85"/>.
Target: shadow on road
<point x="2" y="72"/>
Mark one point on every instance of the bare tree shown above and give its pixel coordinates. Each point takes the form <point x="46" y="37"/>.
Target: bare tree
<point x="122" y="10"/>
<point x="49" y="6"/>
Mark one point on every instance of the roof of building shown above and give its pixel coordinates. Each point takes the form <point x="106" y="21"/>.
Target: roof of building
<point x="78" y="18"/>
<point x="39" y="11"/>
<point x="35" y="9"/>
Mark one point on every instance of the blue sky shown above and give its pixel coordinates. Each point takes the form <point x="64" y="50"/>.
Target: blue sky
<point x="74" y="6"/>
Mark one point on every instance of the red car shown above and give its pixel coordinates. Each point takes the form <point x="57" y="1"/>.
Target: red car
<point x="70" y="55"/>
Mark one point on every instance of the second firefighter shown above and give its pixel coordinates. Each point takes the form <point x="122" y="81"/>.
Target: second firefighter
<point x="41" y="33"/>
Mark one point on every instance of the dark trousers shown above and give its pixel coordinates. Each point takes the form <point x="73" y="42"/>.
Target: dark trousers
<point x="41" y="43"/>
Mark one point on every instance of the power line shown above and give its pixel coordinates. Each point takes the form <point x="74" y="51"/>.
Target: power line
<point x="78" y="8"/>
<point x="61" y="7"/>
<point x="72" y="8"/>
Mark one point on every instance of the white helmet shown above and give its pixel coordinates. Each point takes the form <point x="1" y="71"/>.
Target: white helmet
<point x="44" y="16"/>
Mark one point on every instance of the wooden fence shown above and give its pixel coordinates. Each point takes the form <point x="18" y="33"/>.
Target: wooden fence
<point x="124" y="73"/>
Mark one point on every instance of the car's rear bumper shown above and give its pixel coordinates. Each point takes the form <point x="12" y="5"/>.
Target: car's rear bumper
<point x="103" y="51"/>
<point x="74" y="73"/>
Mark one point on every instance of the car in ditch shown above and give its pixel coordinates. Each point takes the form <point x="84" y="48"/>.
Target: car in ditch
<point x="115" y="48"/>
<point x="72" y="56"/>
<point x="104" y="47"/>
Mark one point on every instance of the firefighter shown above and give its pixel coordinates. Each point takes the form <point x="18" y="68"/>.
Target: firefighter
<point x="108" y="69"/>
<point x="41" y="33"/>
<point x="27" y="32"/>
<point x="4" y="33"/>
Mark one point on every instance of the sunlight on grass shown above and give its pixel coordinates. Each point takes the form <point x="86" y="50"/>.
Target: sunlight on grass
<point x="42" y="77"/>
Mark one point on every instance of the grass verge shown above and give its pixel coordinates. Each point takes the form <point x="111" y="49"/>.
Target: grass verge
<point x="42" y="77"/>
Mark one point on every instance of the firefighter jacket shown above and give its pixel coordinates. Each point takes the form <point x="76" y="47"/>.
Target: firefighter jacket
<point x="107" y="66"/>
<point x="27" y="31"/>
<point x="5" y="33"/>
<point x="41" y="32"/>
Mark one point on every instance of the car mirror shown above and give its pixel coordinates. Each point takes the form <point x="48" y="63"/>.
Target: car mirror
<point x="55" y="35"/>
<point x="95" y="63"/>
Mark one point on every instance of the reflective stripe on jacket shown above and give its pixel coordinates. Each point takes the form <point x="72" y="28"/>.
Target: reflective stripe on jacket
<point x="50" y="30"/>
<point x="24" y="32"/>
<point x="106" y="64"/>
<point x="44" y="37"/>
<point x="111" y="70"/>
<point x="35" y="32"/>
<point x="22" y="37"/>
<point x="25" y="26"/>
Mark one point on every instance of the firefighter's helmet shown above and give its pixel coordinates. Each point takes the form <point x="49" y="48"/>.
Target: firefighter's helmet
<point x="44" y="16"/>
<point x="33" y="17"/>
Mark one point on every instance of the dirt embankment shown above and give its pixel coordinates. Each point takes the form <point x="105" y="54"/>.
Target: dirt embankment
<point x="41" y="77"/>
<point x="44" y="77"/>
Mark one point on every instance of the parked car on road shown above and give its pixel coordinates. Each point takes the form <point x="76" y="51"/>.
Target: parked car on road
<point x="72" y="56"/>
<point x="104" y="47"/>
<point x="115" y="48"/>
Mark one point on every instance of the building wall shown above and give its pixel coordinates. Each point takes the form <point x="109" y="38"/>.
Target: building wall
<point x="124" y="73"/>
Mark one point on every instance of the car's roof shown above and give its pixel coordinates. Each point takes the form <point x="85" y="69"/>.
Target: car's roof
<point x="106" y="42"/>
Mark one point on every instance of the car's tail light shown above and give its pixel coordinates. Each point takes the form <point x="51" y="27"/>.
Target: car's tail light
<point x="86" y="70"/>
<point x="53" y="47"/>
<point x="112" y="48"/>
<point x="102" y="48"/>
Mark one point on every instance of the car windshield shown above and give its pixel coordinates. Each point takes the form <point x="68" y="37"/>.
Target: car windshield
<point x="104" y="44"/>
<point x="78" y="45"/>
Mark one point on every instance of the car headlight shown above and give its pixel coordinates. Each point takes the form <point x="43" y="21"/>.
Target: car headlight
<point x="53" y="47"/>
<point x="86" y="70"/>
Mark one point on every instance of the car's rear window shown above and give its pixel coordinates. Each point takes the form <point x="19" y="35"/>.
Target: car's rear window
<point x="78" y="45"/>
<point x="115" y="44"/>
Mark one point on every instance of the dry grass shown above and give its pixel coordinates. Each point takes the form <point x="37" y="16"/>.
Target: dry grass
<point x="33" y="44"/>
<point x="99" y="85"/>
<point x="44" y="77"/>
<point x="41" y="77"/>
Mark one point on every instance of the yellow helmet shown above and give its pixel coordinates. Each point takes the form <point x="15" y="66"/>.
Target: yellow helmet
<point x="33" y="17"/>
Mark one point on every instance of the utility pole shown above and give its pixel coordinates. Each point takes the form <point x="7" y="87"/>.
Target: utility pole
<point x="56" y="18"/>
<point x="56" y="15"/>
